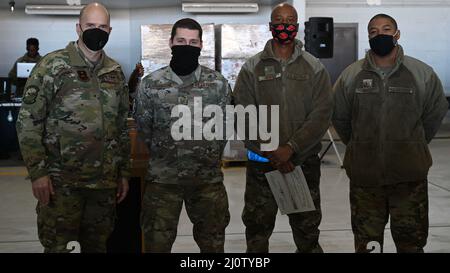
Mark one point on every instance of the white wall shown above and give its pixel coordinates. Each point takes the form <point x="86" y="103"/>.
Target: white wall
<point x="425" y="31"/>
<point x="300" y="6"/>
<point x="54" y="32"/>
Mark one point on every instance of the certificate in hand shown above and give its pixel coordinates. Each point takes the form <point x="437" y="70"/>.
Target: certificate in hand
<point x="291" y="191"/>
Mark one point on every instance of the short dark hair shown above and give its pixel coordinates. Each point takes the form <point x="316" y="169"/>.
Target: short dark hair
<point x="385" y="16"/>
<point x="33" y="41"/>
<point x="189" y="24"/>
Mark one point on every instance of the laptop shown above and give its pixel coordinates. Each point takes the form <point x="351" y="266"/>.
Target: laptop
<point x="24" y="69"/>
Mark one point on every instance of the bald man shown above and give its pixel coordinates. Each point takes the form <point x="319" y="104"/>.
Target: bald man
<point x="73" y="137"/>
<point x="285" y="75"/>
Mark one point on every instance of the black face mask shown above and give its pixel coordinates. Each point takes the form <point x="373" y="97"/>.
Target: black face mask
<point x="184" y="59"/>
<point x="284" y="33"/>
<point x="95" y="39"/>
<point x="382" y="44"/>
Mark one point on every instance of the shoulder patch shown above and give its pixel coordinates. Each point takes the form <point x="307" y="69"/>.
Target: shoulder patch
<point x="31" y="94"/>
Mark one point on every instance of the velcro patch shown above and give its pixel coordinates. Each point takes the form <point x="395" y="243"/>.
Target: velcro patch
<point x="110" y="78"/>
<point x="30" y="94"/>
<point x="82" y="75"/>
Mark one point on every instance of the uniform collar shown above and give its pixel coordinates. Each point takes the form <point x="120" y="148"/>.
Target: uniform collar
<point x="78" y="59"/>
<point x="369" y="63"/>
<point x="172" y="76"/>
<point x="26" y="57"/>
<point x="269" y="54"/>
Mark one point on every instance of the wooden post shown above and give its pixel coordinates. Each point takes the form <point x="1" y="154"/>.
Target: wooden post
<point x="139" y="161"/>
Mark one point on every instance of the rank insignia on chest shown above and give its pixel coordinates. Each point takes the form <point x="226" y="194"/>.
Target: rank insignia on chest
<point x="182" y="100"/>
<point x="367" y="83"/>
<point x="269" y="72"/>
<point x="83" y="76"/>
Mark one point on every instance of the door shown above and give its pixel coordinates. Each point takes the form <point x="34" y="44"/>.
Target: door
<point x="345" y="49"/>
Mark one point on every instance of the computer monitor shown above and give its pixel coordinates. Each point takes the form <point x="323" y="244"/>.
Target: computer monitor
<point x="24" y="69"/>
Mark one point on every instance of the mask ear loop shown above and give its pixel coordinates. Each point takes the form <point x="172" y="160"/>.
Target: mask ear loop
<point x="393" y="37"/>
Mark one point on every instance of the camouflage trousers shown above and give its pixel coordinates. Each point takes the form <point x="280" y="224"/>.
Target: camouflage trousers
<point x="260" y="210"/>
<point x="405" y="203"/>
<point x="206" y="206"/>
<point x="77" y="214"/>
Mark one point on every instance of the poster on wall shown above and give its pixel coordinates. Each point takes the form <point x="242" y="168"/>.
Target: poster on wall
<point x="237" y="44"/>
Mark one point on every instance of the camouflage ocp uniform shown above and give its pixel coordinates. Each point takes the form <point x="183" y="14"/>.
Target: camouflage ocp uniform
<point x="72" y="127"/>
<point x="386" y="117"/>
<point x="19" y="82"/>
<point x="183" y="170"/>
<point x="302" y="89"/>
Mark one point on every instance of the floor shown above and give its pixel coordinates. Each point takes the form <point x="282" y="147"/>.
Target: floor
<point x="18" y="219"/>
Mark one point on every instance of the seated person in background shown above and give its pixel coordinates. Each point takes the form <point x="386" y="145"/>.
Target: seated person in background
<point x="32" y="56"/>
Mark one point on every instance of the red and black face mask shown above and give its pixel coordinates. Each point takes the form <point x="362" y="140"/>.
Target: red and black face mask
<point x="284" y="33"/>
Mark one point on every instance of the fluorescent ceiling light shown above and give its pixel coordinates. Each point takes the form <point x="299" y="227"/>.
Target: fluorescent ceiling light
<point x="53" y="9"/>
<point x="220" y="7"/>
<point x="374" y="2"/>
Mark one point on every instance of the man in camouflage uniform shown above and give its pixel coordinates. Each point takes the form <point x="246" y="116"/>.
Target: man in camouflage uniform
<point x="285" y="75"/>
<point x="388" y="106"/>
<point x="32" y="56"/>
<point x="73" y="137"/>
<point x="183" y="170"/>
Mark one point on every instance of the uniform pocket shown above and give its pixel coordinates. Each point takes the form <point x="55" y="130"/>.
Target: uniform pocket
<point x="368" y="100"/>
<point x="401" y="100"/>
<point x="297" y="77"/>
<point x="366" y="112"/>
<point x="80" y="160"/>
<point x="363" y="161"/>
<point x="407" y="160"/>
<point x="371" y="90"/>
<point x="46" y="224"/>
<point x="401" y="90"/>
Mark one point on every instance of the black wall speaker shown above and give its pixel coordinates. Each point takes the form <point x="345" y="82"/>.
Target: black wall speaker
<point x="319" y="37"/>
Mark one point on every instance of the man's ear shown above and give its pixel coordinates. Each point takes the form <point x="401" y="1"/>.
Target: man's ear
<point x="170" y="43"/>
<point x="78" y="28"/>
<point x="397" y="37"/>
